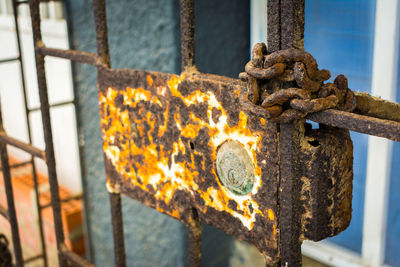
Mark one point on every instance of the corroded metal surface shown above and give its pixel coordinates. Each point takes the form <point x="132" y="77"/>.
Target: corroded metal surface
<point x="316" y="166"/>
<point x="289" y="85"/>
<point x="165" y="136"/>
<point x="326" y="178"/>
<point x="359" y="123"/>
<point x="161" y="136"/>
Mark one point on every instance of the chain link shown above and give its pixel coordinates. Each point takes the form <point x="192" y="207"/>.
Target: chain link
<point x="289" y="85"/>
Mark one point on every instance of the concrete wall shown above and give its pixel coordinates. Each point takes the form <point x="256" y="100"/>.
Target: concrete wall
<point x="145" y="35"/>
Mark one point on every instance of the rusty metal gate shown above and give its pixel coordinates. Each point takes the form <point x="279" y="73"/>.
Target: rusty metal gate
<point x="237" y="154"/>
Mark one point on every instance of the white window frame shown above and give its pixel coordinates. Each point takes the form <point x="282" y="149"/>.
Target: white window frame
<point x="54" y="31"/>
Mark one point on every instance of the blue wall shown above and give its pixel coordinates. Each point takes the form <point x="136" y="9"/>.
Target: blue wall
<point x="339" y="34"/>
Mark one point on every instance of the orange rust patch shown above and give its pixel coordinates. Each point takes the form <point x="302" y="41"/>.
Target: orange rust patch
<point x="149" y="80"/>
<point x="271" y="214"/>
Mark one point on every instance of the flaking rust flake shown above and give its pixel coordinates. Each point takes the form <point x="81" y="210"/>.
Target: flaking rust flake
<point x="161" y="134"/>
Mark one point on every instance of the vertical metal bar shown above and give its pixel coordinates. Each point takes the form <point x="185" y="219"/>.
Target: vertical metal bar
<point x="28" y="124"/>
<point x="99" y="8"/>
<point x="194" y="240"/>
<point x="292" y="24"/>
<point x="44" y="107"/>
<point x="100" y="20"/>
<point x="12" y="215"/>
<point x="289" y="194"/>
<point x="273" y="25"/>
<point x="286" y="30"/>
<point x="187" y="27"/>
<point x="187" y="34"/>
<point x="117" y="228"/>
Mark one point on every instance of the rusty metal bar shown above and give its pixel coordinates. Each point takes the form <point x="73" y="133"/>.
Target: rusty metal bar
<point x="12" y="215"/>
<point x="100" y="20"/>
<point x="117" y="228"/>
<point x="33" y="258"/>
<point x="286" y="30"/>
<point x="187" y="33"/>
<point x="32" y="162"/>
<point x="292" y="24"/>
<point x="188" y="56"/>
<point x="194" y="244"/>
<point x="273" y="26"/>
<point x="41" y="1"/>
<point x="74" y="55"/>
<point x="74" y="259"/>
<point x="358" y="123"/>
<point x="44" y="102"/>
<point x="6" y="60"/>
<point x="21" y="145"/>
<point x="54" y="105"/>
<point x="376" y="107"/>
<point x="20" y="164"/>
<point x="75" y="197"/>
<point x="99" y="9"/>
<point x="11" y="212"/>
<point x="4" y="212"/>
<point x="194" y="240"/>
<point x="289" y="195"/>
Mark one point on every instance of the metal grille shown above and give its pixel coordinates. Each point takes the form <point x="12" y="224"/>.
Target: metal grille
<point x="10" y="214"/>
<point x="285" y="30"/>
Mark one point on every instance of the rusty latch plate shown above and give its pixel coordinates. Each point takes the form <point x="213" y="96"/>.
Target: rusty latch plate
<point x="162" y="134"/>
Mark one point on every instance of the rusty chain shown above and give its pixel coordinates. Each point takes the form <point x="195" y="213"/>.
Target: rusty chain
<point x="5" y="254"/>
<point x="289" y="85"/>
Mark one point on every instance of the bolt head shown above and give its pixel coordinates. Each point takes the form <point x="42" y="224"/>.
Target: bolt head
<point x="235" y="168"/>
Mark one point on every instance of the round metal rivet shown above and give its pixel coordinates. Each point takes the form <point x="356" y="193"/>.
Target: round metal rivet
<point x="235" y="168"/>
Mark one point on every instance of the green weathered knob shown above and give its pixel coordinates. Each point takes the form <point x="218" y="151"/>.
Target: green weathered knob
<point x="235" y="168"/>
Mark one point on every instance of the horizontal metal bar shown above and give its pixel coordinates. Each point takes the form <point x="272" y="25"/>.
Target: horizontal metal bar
<point x="367" y="118"/>
<point x="75" y="259"/>
<point x="358" y="123"/>
<point x="42" y="1"/>
<point x="373" y="116"/>
<point x="74" y="197"/>
<point x="53" y="105"/>
<point x="33" y="258"/>
<point x="74" y="55"/>
<point x="376" y="107"/>
<point x="20" y="164"/>
<point x="6" y="60"/>
<point x="4" y="212"/>
<point x="23" y="146"/>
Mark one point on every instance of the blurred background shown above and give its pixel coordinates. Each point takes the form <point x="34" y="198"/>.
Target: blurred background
<point x="357" y="38"/>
